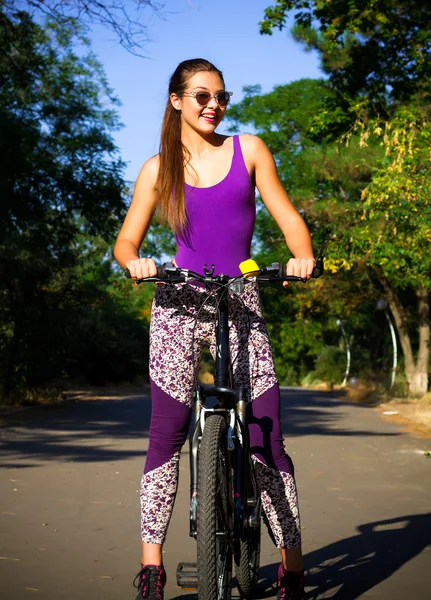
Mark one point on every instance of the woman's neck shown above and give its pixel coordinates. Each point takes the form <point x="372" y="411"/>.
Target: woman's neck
<point x="198" y="144"/>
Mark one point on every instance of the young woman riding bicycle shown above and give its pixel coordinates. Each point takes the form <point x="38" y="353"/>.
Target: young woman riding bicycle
<point x="203" y="185"/>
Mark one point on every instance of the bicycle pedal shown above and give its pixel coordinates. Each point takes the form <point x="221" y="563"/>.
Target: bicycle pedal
<point x="187" y="576"/>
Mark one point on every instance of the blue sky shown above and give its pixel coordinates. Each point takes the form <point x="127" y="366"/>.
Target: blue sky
<point x="225" y="32"/>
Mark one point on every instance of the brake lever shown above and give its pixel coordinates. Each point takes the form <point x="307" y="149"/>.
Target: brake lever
<point x="319" y="267"/>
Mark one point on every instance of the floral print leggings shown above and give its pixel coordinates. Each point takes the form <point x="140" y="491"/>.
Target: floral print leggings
<point x="183" y="315"/>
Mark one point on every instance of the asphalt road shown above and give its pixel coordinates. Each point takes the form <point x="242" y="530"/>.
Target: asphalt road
<point x="69" y="504"/>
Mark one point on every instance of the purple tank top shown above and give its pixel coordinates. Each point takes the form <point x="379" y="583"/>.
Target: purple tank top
<point x="221" y="221"/>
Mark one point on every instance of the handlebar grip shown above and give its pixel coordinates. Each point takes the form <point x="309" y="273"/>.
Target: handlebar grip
<point x="163" y="271"/>
<point x="160" y="273"/>
<point x="317" y="271"/>
<point x="275" y="270"/>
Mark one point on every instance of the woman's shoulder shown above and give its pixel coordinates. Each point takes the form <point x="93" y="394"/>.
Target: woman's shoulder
<point x="251" y="142"/>
<point x="252" y="146"/>
<point x="152" y="164"/>
<point x="150" y="168"/>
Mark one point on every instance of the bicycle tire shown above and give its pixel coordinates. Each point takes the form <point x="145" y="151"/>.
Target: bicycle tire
<point x="247" y="560"/>
<point x="214" y="515"/>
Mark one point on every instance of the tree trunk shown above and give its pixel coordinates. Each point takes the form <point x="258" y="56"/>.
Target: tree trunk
<point x="419" y="379"/>
<point x="416" y="370"/>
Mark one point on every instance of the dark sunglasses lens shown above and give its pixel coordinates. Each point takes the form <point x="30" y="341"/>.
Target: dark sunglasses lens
<point x="203" y="98"/>
<point x="223" y="98"/>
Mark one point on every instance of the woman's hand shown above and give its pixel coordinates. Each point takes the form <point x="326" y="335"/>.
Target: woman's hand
<point x="142" y="267"/>
<point x="300" y="267"/>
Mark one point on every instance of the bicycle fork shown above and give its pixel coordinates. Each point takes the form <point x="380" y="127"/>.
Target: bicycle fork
<point x="243" y="484"/>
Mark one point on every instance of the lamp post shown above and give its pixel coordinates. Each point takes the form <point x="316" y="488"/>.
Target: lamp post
<point x="347" y="346"/>
<point x="383" y="305"/>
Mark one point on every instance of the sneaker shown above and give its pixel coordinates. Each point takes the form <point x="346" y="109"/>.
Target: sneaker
<point x="290" y="585"/>
<point x="150" y="582"/>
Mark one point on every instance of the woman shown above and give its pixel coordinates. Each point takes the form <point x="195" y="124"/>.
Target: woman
<point x="203" y="186"/>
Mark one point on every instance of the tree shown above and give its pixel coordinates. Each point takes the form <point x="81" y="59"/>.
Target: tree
<point x="314" y="174"/>
<point x="374" y="48"/>
<point x="62" y="191"/>
<point x="377" y="57"/>
<point x="119" y="16"/>
<point x="392" y="233"/>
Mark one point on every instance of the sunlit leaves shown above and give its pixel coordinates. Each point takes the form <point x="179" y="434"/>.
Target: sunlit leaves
<point x="380" y="48"/>
<point x="395" y="221"/>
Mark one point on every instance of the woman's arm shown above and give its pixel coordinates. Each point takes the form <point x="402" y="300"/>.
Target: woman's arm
<point x="137" y="222"/>
<point x="277" y="202"/>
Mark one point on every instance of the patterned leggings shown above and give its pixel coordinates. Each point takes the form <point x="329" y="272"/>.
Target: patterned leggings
<point x="174" y="313"/>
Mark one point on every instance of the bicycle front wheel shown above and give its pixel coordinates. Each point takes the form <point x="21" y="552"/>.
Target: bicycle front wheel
<point x="215" y="515"/>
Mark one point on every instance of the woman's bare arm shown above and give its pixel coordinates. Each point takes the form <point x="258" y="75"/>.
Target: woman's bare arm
<point x="137" y="222"/>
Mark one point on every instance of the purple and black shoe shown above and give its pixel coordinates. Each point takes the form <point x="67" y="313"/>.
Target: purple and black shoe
<point x="150" y="582"/>
<point x="290" y="585"/>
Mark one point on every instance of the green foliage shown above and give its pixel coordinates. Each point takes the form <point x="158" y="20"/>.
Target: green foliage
<point x="325" y="182"/>
<point x="330" y="364"/>
<point x="159" y="243"/>
<point x="314" y="169"/>
<point x="109" y="344"/>
<point x="377" y="48"/>
<point x="377" y="56"/>
<point x="64" y="312"/>
<point x="393" y="217"/>
<point x="328" y="182"/>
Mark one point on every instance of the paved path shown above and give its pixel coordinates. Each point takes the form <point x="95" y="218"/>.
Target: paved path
<point x="69" y="502"/>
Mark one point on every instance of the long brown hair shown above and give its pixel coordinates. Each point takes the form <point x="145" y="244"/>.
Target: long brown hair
<point x="174" y="155"/>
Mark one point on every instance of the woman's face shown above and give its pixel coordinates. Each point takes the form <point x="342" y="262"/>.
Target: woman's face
<point x="203" y="119"/>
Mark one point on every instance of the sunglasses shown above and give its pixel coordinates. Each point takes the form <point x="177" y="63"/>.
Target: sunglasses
<point x="203" y="98"/>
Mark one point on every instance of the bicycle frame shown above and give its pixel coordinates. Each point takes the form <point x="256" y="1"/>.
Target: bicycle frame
<point x="232" y="402"/>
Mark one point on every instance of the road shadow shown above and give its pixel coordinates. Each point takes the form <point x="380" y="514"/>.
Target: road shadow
<point x="348" y="568"/>
<point x="81" y="431"/>
<point x="56" y="432"/>
<point x="315" y="412"/>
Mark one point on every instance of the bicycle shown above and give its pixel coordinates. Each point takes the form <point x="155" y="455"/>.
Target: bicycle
<point x="225" y="505"/>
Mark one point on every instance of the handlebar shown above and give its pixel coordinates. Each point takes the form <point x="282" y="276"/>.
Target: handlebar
<point x="169" y="273"/>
